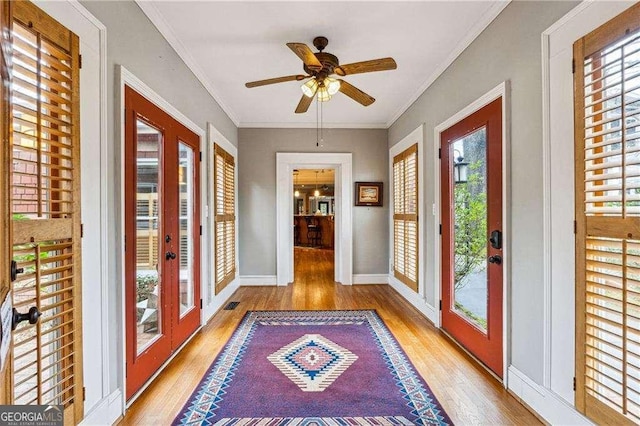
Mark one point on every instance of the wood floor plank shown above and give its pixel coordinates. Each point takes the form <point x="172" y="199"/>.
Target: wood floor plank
<point x="467" y="392"/>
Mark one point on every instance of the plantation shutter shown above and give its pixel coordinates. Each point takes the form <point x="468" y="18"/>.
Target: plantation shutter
<point x="6" y="388"/>
<point x="405" y="217"/>
<point x="607" y="140"/>
<point x="45" y="207"/>
<point x="225" y="219"/>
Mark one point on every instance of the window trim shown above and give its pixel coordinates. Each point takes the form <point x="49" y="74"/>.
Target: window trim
<point x="228" y="158"/>
<point x="406" y="217"/>
<point x="593" y="225"/>
<point x="420" y="299"/>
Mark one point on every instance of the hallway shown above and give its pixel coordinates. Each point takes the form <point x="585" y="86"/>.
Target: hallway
<point x="466" y="391"/>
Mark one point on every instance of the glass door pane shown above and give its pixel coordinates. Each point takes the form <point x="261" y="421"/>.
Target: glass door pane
<point x="148" y="229"/>
<point x="470" y="227"/>
<point x="186" y="187"/>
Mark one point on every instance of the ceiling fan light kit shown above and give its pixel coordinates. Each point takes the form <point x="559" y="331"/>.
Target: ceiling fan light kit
<point x="319" y="67"/>
<point x="310" y="87"/>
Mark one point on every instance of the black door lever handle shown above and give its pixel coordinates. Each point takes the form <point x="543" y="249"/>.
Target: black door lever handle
<point x="170" y="255"/>
<point x="497" y="259"/>
<point x="32" y="316"/>
<point x="15" y="270"/>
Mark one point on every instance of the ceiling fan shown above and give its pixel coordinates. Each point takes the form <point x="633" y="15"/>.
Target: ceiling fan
<point x="319" y="67"/>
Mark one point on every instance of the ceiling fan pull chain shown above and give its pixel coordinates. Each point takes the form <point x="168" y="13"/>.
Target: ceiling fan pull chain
<point x="321" y="120"/>
<point x="317" y="122"/>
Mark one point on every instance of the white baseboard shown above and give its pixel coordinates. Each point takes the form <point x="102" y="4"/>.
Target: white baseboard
<point x="431" y="312"/>
<point x="247" y="280"/>
<point x="219" y="300"/>
<point x="106" y="411"/>
<point x="543" y="401"/>
<point x="370" y="279"/>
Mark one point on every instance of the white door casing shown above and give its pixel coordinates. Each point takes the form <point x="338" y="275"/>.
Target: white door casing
<point x="342" y="163"/>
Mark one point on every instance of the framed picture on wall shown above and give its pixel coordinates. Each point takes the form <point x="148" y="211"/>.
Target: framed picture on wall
<point x="369" y="194"/>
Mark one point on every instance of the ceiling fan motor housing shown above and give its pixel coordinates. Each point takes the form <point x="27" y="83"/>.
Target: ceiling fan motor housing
<point x="328" y="61"/>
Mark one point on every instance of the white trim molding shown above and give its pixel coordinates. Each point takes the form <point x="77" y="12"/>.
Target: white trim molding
<point x="311" y="125"/>
<point x="502" y="90"/>
<point x="286" y="162"/>
<point x="546" y="403"/>
<point x="558" y="193"/>
<point x="370" y="279"/>
<point x="481" y="24"/>
<point x="258" y="280"/>
<point x="95" y="164"/>
<point x="156" y="18"/>
<point x="418" y="300"/>
<point x="105" y="412"/>
<point x="125" y="78"/>
<point x="211" y="303"/>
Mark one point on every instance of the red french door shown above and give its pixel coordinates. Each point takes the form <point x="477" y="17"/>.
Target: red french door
<point x="472" y="263"/>
<point x="162" y="237"/>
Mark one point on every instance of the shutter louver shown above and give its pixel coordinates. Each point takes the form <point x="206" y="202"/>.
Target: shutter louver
<point x="225" y="237"/>
<point x="607" y="138"/>
<point x="45" y="207"/>
<point x="405" y="216"/>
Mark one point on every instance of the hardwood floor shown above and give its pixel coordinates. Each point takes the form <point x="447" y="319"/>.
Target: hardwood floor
<point x="467" y="392"/>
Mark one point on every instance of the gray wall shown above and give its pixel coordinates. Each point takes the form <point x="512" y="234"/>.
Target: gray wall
<point x="133" y="41"/>
<point x="257" y="193"/>
<point x="509" y="49"/>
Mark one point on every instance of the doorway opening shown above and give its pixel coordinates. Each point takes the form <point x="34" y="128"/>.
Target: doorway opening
<point x="314" y="220"/>
<point x="341" y="163"/>
<point x="162" y="223"/>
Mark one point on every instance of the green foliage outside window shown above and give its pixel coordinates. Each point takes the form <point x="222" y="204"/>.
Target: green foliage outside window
<point x="470" y="207"/>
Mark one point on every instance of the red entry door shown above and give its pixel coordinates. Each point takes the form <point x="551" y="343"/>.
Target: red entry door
<point x="162" y="237"/>
<point x="472" y="263"/>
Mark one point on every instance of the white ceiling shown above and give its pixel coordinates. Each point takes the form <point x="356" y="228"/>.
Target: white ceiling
<point x="227" y="44"/>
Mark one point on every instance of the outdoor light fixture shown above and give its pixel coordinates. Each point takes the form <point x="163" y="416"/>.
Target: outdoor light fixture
<point x="460" y="168"/>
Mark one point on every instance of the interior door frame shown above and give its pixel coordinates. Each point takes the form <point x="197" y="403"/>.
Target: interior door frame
<point x="501" y="90"/>
<point x="342" y="163"/>
<point x="126" y="77"/>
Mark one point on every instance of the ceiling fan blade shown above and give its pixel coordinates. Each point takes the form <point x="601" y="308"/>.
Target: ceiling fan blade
<point x="275" y="80"/>
<point x="382" y="64"/>
<point x="307" y="56"/>
<point x="304" y="103"/>
<point x="356" y="94"/>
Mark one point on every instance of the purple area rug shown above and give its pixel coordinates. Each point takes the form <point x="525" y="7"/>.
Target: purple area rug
<point x="312" y="368"/>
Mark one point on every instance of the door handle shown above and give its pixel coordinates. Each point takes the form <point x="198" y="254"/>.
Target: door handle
<point x="32" y="316"/>
<point x="170" y="255"/>
<point x="497" y="259"/>
<point x="15" y="270"/>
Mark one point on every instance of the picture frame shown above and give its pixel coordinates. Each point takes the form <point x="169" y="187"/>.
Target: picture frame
<point x="369" y="194"/>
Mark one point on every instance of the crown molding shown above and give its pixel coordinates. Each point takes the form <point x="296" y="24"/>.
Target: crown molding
<point x="156" y="18"/>
<point x="477" y="29"/>
<point x="310" y="125"/>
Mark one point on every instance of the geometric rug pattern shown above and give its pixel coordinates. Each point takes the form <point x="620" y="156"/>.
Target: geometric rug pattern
<point x="312" y="368"/>
<point x="312" y="362"/>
